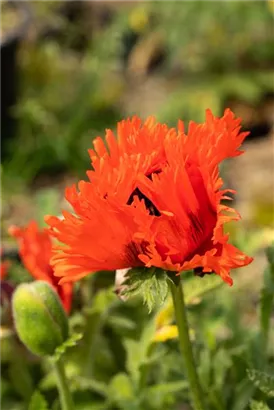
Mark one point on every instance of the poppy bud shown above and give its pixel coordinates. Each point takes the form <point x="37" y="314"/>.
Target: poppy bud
<point x="40" y="320"/>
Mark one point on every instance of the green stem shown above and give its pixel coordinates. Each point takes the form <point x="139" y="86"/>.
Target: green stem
<point x="62" y="384"/>
<point x="185" y="344"/>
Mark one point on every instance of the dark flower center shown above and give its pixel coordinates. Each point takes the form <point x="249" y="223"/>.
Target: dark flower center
<point x="148" y="203"/>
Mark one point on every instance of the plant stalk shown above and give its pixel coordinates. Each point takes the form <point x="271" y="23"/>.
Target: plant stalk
<point x="185" y="344"/>
<point x="62" y="384"/>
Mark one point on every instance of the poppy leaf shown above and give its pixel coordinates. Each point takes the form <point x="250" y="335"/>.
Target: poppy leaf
<point x="150" y="284"/>
<point x="263" y="381"/>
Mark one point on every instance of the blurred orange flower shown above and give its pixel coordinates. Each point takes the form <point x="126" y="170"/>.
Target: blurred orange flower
<point x="153" y="199"/>
<point x="4" y="265"/>
<point x="35" y="249"/>
<point x="4" y="269"/>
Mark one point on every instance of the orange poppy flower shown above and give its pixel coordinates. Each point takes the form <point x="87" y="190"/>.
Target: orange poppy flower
<point x="35" y="249"/>
<point x="153" y="199"/>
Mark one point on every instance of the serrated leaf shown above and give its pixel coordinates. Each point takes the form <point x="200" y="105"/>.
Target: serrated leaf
<point x="198" y="287"/>
<point x="150" y="284"/>
<point x="70" y="342"/>
<point x="38" y="402"/>
<point x="262" y="380"/>
<point x="258" y="405"/>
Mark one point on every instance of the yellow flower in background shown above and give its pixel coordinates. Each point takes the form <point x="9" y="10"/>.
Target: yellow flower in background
<point x="165" y="315"/>
<point x="166" y="333"/>
<point x="165" y="330"/>
<point x="139" y="19"/>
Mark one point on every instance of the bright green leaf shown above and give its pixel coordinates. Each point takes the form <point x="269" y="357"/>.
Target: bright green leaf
<point x="38" y="402"/>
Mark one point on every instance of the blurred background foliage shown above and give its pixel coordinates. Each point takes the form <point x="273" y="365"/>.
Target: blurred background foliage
<point x="122" y="363"/>
<point x="77" y="68"/>
<point x="85" y="65"/>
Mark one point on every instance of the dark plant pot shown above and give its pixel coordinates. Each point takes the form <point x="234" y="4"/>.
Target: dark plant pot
<point x="9" y="72"/>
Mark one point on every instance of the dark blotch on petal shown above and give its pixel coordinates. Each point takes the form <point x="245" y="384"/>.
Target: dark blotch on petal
<point x="149" y="205"/>
<point x="199" y="272"/>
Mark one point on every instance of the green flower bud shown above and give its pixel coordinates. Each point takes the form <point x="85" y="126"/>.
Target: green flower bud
<point x="40" y="320"/>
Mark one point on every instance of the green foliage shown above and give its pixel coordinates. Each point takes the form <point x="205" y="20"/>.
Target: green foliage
<point x="21" y="377"/>
<point x="166" y="388"/>
<point x="150" y="284"/>
<point x="70" y="342"/>
<point x="138" y="352"/>
<point x="66" y="99"/>
<point x="190" y="100"/>
<point x="267" y="299"/>
<point x="47" y="201"/>
<point x="216" y="44"/>
<point x="258" y="405"/>
<point x="270" y="257"/>
<point x="38" y="402"/>
<point x="120" y="390"/>
<point x="196" y="287"/>
<point x="118" y="365"/>
<point x="264" y="381"/>
<point x="82" y="383"/>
